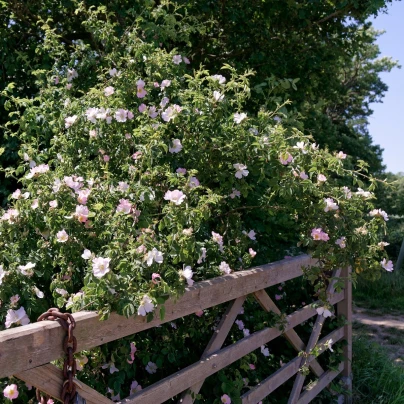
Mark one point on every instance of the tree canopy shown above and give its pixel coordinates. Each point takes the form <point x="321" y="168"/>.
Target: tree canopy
<point x="327" y="48"/>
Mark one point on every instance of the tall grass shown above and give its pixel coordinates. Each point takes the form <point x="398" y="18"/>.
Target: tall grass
<point x="376" y="380"/>
<point x="386" y="294"/>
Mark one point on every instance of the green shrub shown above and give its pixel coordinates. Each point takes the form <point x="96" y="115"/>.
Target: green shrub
<point x="141" y="175"/>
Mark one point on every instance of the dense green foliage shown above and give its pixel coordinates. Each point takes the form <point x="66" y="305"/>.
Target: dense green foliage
<point x="327" y="45"/>
<point x="140" y="173"/>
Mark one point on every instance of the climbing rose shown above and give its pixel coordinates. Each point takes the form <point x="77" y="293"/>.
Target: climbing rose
<point x="219" y="78"/>
<point x="264" y="350"/>
<point x="42" y="168"/>
<point x="224" y="267"/>
<point x="124" y="206"/>
<point x="146" y="306"/>
<point x="240" y="324"/>
<point x="123" y="186"/>
<point x="27" y="269"/>
<point x="217" y="238"/>
<point x="113" y="72"/>
<point x="318" y="235"/>
<point x="152" y="112"/>
<point x="134" y="387"/>
<point x="11" y="391"/>
<point x="164" y="102"/>
<point x="91" y="114"/>
<point x="121" y="115"/>
<point x="170" y="113"/>
<point x="69" y="121"/>
<point x="18" y="317"/>
<point x="176" y="147"/>
<point x="62" y="236"/>
<point x="323" y="311"/>
<point x="83" y="196"/>
<point x="301" y="146"/>
<point x="203" y="256"/>
<point x="100" y="266"/>
<point x="238" y="118"/>
<point x="109" y="91"/>
<point x="347" y="192"/>
<point x="303" y="176"/>
<point x="341" y="242"/>
<point x="165" y="83"/>
<point x="235" y="193"/>
<point x="251" y="234"/>
<point x="71" y="74"/>
<point x="387" y="265"/>
<point x="156" y="278"/>
<point x="193" y="182"/>
<point x="81" y="213"/>
<point x="154" y="255"/>
<point x="62" y="292"/>
<point x="177" y="59"/>
<point x="285" y="158"/>
<point x="218" y="96"/>
<point x="252" y="252"/>
<point x="187" y="274"/>
<point x="176" y="196"/>
<point x="2" y="274"/>
<point x="225" y="399"/>
<point x="39" y="294"/>
<point x="240" y="170"/>
<point x="379" y="213"/>
<point x="341" y="155"/>
<point x="322" y="178"/>
<point x="86" y="254"/>
<point x="330" y="205"/>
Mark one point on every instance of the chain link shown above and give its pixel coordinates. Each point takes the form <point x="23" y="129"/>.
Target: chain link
<point x="66" y="320"/>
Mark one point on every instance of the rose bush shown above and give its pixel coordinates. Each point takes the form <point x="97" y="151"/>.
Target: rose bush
<point x="144" y="174"/>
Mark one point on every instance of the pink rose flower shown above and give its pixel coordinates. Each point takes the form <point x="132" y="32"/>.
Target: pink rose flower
<point x="319" y="235"/>
<point x="11" y="391"/>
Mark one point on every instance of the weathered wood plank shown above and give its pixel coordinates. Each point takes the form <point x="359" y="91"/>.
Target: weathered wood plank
<point x="216" y="342"/>
<point x="180" y="381"/>
<point x="318" y="325"/>
<point x="283" y="374"/>
<point x="319" y="385"/>
<point x="49" y="379"/>
<point x="41" y="343"/>
<point x="268" y="305"/>
<point x="300" y="377"/>
<point x="345" y="308"/>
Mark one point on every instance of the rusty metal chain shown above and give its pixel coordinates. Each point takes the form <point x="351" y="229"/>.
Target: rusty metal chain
<point x="66" y="320"/>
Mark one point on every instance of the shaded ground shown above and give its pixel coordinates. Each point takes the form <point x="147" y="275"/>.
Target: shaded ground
<point x="384" y="329"/>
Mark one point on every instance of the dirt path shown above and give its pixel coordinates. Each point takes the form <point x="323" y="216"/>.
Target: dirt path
<point x="385" y="329"/>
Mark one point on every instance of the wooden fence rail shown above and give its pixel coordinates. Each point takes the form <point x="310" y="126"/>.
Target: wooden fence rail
<point x="40" y="343"/>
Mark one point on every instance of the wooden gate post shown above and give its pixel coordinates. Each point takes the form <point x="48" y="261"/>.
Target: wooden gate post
<point x="345" y="308"/>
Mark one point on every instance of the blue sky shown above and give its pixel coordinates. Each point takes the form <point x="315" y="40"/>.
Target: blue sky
<point x="386" y="123"/>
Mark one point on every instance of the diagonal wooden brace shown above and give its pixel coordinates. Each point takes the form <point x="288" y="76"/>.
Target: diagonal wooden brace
<point x="268" y="305"/>
<point x="49" y="379"/>
<point x="215" y="343"/>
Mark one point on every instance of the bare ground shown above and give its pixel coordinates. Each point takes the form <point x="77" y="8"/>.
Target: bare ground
<point x="384" y="329"/>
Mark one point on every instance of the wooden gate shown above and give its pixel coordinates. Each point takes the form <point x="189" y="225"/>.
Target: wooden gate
<point x="25" y="352"/>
